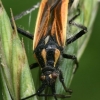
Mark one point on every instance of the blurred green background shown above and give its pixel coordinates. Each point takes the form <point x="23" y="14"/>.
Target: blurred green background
<point x="86" y="82"/>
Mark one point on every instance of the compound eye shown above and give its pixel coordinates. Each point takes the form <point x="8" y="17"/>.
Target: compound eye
<point x="54" y="75"/>
<point x="42" y="77"/>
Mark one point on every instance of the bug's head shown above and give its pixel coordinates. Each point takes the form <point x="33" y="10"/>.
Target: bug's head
<point x="49" y="77"/>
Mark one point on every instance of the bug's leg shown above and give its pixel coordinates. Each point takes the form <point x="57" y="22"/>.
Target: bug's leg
<point x="23" y="32"/>
<point x="78" y="35"/>
<point x="73" y="58"/>
<point x="70" y="3"/>
<point x="26" y="12"/>
<point x="62" y="96"/>
<point x="75" y="37"/>
<point x="58" y="95"/>
<point x="73" y="18"/>
<point x="34" y="65"/>
<point x="37" y="93"/>
<point x="62" y="81"/>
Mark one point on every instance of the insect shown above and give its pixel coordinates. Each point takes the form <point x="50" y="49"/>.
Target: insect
<point x="49" y="41"/>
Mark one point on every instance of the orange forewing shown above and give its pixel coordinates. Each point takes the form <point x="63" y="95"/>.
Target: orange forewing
<point x="59" y="24"/>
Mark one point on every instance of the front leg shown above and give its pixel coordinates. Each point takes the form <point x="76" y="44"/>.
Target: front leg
<point x="39" y="91"/>
<point x="62" y="81"/>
